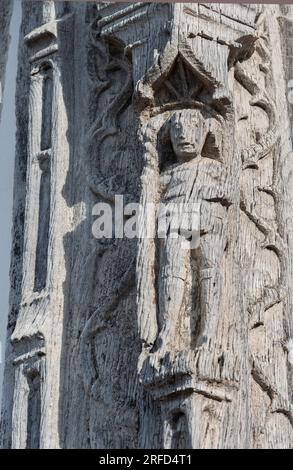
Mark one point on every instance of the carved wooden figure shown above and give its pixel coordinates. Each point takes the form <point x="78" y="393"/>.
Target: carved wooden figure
<point x="190" y="181"/>
<point x="180" y="337"/>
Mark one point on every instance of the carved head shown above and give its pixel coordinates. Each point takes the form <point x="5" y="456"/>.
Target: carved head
<point x="188" y="133"/>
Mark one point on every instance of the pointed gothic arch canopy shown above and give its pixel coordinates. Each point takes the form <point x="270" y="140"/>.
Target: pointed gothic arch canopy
<point x="179" y="80"/>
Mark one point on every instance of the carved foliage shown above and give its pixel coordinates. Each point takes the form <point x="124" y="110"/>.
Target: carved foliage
<point x="262" y="246"/>
<point x="110" y="72"/>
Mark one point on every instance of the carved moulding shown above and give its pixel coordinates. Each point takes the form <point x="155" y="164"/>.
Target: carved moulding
<point x="35" y="371"/>
<point x="30" y="380"/>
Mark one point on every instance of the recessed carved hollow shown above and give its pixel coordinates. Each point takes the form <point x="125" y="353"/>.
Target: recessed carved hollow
<point x="44" y="157"/>
<point x="34" y="411"/>
<point x="177" y="435"/>
<point x="179" y="80"/>
<point x="183" y="84"/>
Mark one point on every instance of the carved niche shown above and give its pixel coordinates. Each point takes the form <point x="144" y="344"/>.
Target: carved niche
<point x="184" y="122"/>
<point x="190" y="159"/>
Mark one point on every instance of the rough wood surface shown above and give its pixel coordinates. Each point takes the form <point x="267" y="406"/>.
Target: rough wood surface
<point x="139" y="343"/>
<point x="5" y="16"/>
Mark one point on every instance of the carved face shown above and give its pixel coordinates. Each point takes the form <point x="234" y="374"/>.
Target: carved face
<point x="188" y="134"/>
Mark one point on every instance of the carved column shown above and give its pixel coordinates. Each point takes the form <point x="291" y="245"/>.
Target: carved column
<point x="165" y="340"/>
<point x="218" y="326"/>
<point x="36" y="338"/>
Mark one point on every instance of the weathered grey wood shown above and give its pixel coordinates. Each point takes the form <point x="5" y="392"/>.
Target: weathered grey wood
<point x="5" y="16"/>
<point x="119" y="343"/>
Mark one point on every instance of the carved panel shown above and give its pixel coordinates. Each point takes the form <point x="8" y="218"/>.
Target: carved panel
<point x="185" y="124"/>
<point x="112" y="169"/>
<point x="262" y="245"/>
